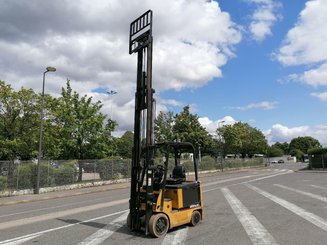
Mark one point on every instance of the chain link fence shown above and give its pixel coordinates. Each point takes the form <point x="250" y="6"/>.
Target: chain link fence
<point x="21" y="175"/>
<point x="318" y="161"/>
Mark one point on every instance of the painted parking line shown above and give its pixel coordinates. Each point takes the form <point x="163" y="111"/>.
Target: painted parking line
<point x="59" y="214"/>
<point x="255" y="230"/>
<point x="249" y="181"/>
<point x="318" y="187"/>
<point x="320" y="198"/>
<point x="176" y="237"/>
<point x="59" y="228"/>
<point x="312" y="218"/>
<point x="104" y="233"/>
<point x="22" y="240"/>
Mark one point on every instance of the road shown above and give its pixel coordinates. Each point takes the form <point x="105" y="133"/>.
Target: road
<point x="272" y="205"/>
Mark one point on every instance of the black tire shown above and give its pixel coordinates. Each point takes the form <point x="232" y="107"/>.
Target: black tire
<point x="196" y="218"/>
<point x="158" y="225"/>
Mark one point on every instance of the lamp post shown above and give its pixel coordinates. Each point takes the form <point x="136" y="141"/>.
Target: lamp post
<point x="37" y="186"/>
<point x="111" y="92"/>
<point x="220" y="145"/>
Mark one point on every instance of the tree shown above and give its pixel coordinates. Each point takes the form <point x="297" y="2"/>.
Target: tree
<point x="19" y="122"/>
<point x="163" y="127"/>
<point x="241" y="138"/>
<point x="188" y="128"/>
<point x="80" y="127"/>
<point x="301" y="145"/>
<point x="304" y="144"/>
<point x="283" y="146"/>
<point x="125" y="144"/>
<point x="274" y="151"/>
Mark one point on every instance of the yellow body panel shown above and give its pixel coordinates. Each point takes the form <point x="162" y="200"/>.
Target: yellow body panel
<point x="172" y="207"/>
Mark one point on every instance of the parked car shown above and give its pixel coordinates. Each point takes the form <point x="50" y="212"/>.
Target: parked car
<point x="281" y="161"/>
<point x="274" y="161"/>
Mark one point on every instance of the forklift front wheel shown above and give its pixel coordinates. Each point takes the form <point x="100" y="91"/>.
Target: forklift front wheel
<point x="158" y="225"/>
<point x="196" y="217"/>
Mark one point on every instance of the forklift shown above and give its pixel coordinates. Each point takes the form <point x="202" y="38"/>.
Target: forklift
<point x="162" y="197"/>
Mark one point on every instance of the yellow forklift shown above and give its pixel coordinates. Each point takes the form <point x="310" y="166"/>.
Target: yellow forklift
<point x="162" y="197"/>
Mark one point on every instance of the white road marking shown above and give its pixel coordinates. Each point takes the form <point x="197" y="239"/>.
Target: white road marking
<point x="319" y="187"/>
<point x="245" y="182"/>
<point x="20" y="241"/>
<point x="55" y="215"/>
<point x="242" y="177"/>
<point x="312" y="218"/>
<point x="176" y="238"/>
<point x="255" y="230"/>
<point x="54" y="207"/>
<point x="105" y="232"/>
<point x="59" y="228"/>
<point x="227" y="180"/>
<point x="320" y="198"/>
<point x="266" y="177"/>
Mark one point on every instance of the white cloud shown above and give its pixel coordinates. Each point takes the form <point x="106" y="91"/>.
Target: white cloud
<point x="211" y="126"/>
<point x="264" y="105"/>
<point x="263" y="18"/>
<point x="281" y="133"/>
<point x="321" y="96"/>
<point x="88" y="43"/>
<point x="315" y="77"/>
<point x="305" y="44"/>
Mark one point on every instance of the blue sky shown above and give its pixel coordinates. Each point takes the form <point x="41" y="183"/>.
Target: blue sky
<point x="254" y="87"/>
<point x="263" y="62"/>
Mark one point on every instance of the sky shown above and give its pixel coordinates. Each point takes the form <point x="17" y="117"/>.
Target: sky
<point x="261" y="62"/>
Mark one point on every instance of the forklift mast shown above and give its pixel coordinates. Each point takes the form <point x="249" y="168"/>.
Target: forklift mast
<point x="140" y="42"/>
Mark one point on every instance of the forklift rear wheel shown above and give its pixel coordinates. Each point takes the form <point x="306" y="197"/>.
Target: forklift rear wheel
<point x="196" y="217"/>
<point x="158" y="225"/>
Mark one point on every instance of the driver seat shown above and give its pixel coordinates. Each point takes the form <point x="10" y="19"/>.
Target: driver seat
<point x="178" y="175"/>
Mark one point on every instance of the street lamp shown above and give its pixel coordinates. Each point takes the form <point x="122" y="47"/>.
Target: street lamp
<point x="37" y="186"/>
<point x="220" y="145"/>
<point x="111" y="92"/>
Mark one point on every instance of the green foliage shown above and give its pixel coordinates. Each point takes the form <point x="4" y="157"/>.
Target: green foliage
<point x="187" y="128"/>
<point x="3" y="183"/>
<point x="314" y="151"/>
<point x="241" y="138"/>
<point x="208" y="163"/>
<point x="239" y="163"/>
<point x="304" y="144"/>
<point x="23" y="177"/>
<point x="19" y="121"/>
<point x="283" y="146"/>
<point x="275" y="151"/>
<point x="125" y="145"/>
<point x="298" y="154"/>
<point x="109" y="169"/>
<point x="163" y="128"/>
<point x="65" y="174"/>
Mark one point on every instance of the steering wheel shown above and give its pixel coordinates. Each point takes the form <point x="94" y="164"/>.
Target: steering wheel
<point x="159" y="173"/>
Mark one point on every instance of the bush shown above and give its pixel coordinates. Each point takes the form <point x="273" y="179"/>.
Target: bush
<point x="23" y="177"/>
<point x="65" y="174"/>
<point x="208" y="163"/>
<point x="109" y="169"/>
<point x="3" y="183"/>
